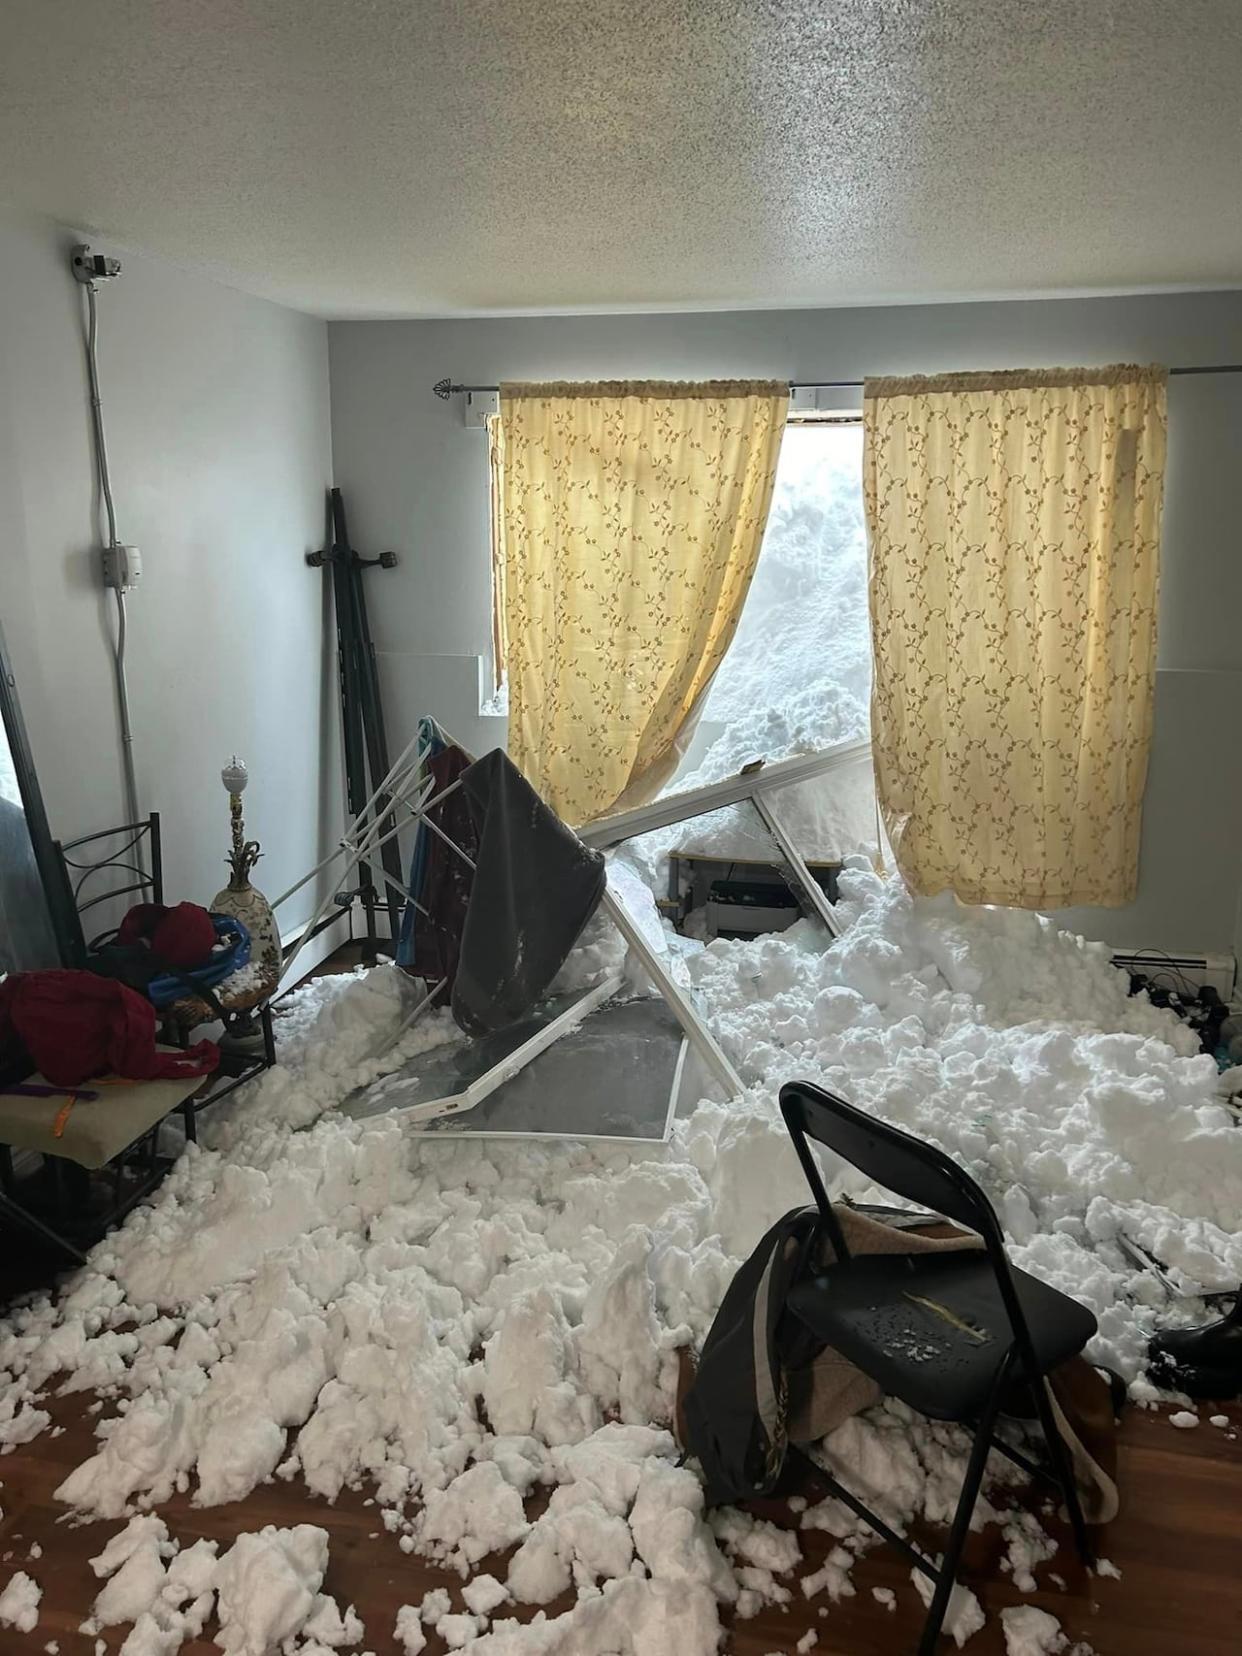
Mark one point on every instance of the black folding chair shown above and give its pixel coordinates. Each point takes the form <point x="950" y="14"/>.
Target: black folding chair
<point x="951" y="1334"/>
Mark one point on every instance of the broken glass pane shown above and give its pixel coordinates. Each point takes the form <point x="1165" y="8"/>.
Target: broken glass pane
<point x="622" y="1073"/>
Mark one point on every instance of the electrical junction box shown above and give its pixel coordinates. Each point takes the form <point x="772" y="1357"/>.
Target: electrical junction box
<point x="122" y="567"/>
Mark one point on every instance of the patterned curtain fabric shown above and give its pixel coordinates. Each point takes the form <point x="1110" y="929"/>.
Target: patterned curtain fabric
<point x="1014" y="527"/>
<point x="628" y="526"/>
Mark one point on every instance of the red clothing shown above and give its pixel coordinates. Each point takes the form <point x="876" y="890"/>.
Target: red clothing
<point x="181" y="937"/>
<point x="75" y="1025"/>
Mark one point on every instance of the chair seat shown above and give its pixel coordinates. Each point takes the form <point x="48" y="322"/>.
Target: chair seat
<point x="190" y="1011"/>
<point x="931" y="1329"/>
<point x="93" y="1130"/>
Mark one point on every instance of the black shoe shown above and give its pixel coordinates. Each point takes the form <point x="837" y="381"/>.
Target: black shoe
<point x="1202" y="1362"/>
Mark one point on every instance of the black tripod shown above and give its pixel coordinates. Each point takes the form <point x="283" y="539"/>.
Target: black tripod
<point x="362" y="719"/>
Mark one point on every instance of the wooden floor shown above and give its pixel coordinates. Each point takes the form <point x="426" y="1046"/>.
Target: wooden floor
<point x="1176" y="1544"/>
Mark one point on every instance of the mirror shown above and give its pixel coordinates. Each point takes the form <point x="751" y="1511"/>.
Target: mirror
<point x="29" y="868"/>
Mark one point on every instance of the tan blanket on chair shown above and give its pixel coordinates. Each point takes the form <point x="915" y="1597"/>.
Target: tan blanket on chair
<point x="830" y="1389"/>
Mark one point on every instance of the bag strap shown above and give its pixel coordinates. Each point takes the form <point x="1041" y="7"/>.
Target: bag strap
<point x="200" y="991"/>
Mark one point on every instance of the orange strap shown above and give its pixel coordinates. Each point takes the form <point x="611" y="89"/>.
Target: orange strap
<point x="62" y="1115"/>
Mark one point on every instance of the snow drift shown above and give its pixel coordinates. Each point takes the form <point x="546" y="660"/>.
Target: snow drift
<point x="456" y="1323"/>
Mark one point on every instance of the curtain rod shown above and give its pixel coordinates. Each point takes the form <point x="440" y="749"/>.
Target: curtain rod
<point x="445" y="388"/>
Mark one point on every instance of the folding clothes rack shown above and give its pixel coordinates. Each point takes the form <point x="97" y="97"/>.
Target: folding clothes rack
<point x="374" y="828"/>
<point x="408" y="790"/>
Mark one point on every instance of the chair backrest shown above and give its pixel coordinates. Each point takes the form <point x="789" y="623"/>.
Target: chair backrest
<point x="908" y="1167"/>
<point x="89" y="866"/>
<point x="899" y="1162"/>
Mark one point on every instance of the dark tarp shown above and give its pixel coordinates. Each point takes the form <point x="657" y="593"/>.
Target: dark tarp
<point x="535" y="887"/>
<point x="440" y="879"/>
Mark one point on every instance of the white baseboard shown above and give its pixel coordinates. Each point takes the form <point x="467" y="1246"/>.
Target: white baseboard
<point x="320" y="947"/>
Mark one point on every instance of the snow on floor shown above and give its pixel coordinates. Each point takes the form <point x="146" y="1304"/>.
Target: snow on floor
<point x="454" y="1323"/>
<point x="265" y="1592"/>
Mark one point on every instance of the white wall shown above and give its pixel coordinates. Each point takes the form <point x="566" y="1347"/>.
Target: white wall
<point x="218" y="430"/>
<point x="416" y="481"/>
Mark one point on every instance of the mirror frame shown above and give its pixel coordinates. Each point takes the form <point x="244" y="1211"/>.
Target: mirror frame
<point x="47" y="859"/>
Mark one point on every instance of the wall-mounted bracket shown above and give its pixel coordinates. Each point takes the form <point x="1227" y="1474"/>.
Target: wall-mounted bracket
<point x="479" y="406"/>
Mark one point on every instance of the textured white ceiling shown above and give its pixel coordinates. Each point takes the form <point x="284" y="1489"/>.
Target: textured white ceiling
<point x="439" y="157"/>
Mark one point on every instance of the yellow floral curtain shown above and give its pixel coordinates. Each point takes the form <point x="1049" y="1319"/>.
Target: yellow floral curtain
<point x="1014" y="529"/>
<point x="628" y="520"/>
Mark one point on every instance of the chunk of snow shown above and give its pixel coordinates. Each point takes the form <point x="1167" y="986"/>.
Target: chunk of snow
<point x="133" y="1588"/>
<point x="19" y="1603"/>
<point x="483" y="1594"/>
<point x="328" y="1625"/>
<point x="539" y="1571"/>
<point x="458" y="1630"/>
<point x="670" y="1535"/>
<point x="1183" y="1420"/>
<point x="408" y="1631"/>
<point x="964" y="1616"/>
<point x="1027" y="1545"/>
<point x="191" y="1573"/>
<point x="435" y="1606"/>
<point x="267" y="1587"/>
<point x="1030" y="1631"/>
<point x="478" y="1513"/>
<point x="631" y="1617"/>
<point x="146" y="1531"/>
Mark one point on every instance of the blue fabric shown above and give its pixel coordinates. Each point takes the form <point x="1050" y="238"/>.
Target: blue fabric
<point x="163" y="990"/>
<point x="430" y="736"/>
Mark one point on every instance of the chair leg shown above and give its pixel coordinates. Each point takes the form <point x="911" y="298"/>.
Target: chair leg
<point x="947" y="1577"/>
<point x="35" y="1226"/>
<point x="1063" y="1467"/>
<point x="269" y="1034"/>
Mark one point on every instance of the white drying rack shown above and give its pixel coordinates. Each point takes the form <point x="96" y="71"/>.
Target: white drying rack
<point x="407" y="790"/>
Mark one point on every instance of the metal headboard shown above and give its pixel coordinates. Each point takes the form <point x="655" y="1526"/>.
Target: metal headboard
<point x="79" y="867"/>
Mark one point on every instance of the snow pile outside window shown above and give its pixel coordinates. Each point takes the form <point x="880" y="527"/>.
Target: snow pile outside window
<point x="797" y="677"/>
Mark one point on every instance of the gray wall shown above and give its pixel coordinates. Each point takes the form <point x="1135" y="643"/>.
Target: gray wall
<point x="218" y="429"/>
<point x="417" y="482"/>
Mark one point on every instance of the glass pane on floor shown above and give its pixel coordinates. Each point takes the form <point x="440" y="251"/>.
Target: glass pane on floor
<point x="613" y="1076"/>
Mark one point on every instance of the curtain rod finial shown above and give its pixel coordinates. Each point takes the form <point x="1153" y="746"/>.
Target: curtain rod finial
<point x="444" y="389"/>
